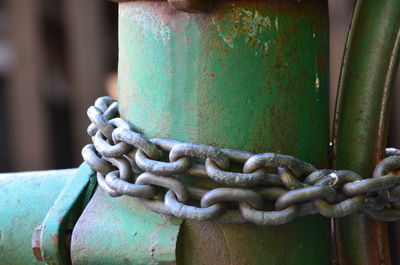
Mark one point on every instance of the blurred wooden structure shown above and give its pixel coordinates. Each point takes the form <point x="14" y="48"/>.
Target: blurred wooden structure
<point x="63" y="51"/>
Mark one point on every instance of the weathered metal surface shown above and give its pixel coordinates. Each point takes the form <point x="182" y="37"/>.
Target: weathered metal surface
<point x="63" y="215"/>
<point x="121" y="231"/>
<point x="360" y="132"/>
<point x="246" y="73"/>
<point x="25" y="200"/>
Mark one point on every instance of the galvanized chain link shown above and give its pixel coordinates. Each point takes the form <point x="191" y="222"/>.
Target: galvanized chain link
<point x="271" y="188"/>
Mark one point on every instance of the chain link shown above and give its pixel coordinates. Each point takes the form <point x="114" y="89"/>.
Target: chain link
<point x="271" y="189"/>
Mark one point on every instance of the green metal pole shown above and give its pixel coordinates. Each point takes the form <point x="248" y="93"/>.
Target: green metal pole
<point x="250" y="75"/>
<point x="365" y="88"/>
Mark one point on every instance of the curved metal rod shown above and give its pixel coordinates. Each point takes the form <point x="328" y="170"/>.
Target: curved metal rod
<point x="361" y="119"/>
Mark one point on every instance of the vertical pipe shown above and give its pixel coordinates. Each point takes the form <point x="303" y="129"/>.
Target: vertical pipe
<point x="360" y="132"/>
<point x="250" y="75"/>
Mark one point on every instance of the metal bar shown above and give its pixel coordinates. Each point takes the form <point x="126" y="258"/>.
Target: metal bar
<point x="360" y="131"/>
<point x="249" y="75"/>
<point x="25" y="200"/>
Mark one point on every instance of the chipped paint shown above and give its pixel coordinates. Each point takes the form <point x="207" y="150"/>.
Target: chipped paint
<point x="160" y="30"/>
<point x="266" y="46"/>
<point x="317" y="83"/>
<point x="250" y="22"/>
<point x="276" y="23"/>
<point x="153" y="24"/>
<point x="228" y="39"/>
<point x="254" y="23"/>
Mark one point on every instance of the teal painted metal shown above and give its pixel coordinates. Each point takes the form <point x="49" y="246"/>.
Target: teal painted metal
<point x="25" y="200"/>
<point x="366" y="84"/>
<point x="181" y="75"/>
<point x="63" y="215"/>
<point x="248" y="75"/>
<point x="124" y="232"/>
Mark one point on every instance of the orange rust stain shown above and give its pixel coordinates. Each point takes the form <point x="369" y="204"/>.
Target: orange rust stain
<point x="278" y="62"/>
<point x="54" y="238"/>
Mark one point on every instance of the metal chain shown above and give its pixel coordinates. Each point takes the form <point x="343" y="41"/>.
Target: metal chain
<point x="272" y="188"/>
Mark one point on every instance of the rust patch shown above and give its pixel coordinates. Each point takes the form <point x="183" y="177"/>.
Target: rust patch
<point x="278" y="63"/>
<point x="188" y="41"/>
<point x="54" y="238"/>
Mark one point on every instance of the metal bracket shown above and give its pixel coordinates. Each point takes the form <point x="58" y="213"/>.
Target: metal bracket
<point x="57" y="226"/>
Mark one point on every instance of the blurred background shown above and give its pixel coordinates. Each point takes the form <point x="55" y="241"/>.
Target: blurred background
<point x="58" y="56"/>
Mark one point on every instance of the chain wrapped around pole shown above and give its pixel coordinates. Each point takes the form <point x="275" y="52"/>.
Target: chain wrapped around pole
<point x="272" y="188"/>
